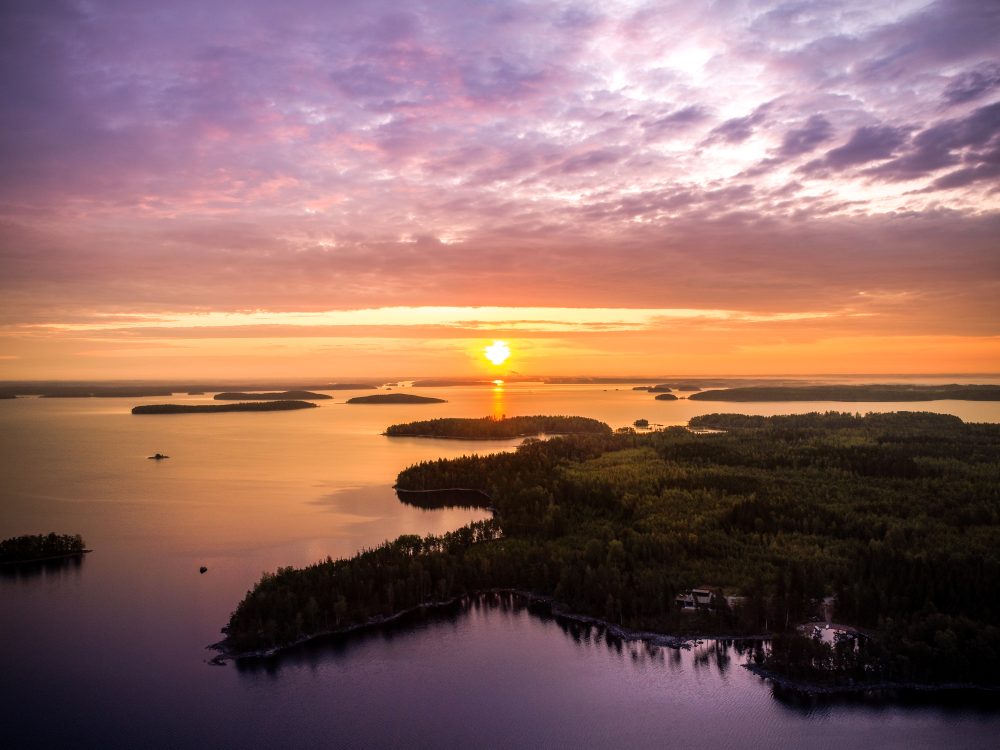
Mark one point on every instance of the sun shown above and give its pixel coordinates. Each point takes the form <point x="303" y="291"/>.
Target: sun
<point x="497" y="352"/>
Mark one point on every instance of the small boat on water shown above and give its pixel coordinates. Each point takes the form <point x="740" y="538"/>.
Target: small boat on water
<point x="157" y="457"/>
<point x="202" y="569"/>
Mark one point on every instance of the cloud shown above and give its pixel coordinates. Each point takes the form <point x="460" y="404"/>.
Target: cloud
<point x="236" y="155"/>
<point x="972" y="84"/>
<point x="947" y="144"/>
<point x="866" y="144"/>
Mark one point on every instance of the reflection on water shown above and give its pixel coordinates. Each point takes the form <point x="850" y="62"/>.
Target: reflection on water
<point x="499" y="405"/>
<point x="43" y="569"/>
<point x="721" y="660"/>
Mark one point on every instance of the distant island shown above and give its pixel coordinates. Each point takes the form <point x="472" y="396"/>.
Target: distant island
<point x="890" y="392"/>
<point x="395" y="398"/>
<point x="350" y="387"/>
<point x="488" y="428"/>
<point x="40" y="547"/>
<point x="271" y="396"/>
<point x="201" y="408"/>
<point x="106" y="392"/>
<point x="889" y="522"/>
<point x="7" y="395"/>
<point x="666" y="397"/>
<point x="445" y="383"/>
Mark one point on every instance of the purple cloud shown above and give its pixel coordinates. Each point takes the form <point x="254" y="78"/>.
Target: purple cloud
<point x="319" y="154"/>
<point x="972" y="84"/>
<point x="867" y="144"/>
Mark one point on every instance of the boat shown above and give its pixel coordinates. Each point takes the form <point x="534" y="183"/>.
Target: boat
<point x="157" y="457"/>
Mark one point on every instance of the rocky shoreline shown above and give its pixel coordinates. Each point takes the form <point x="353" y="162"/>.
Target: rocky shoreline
<point x="663" y="640"/>
<point x="32" y="560"/>
<point x="816" y="688"/>
<point x="657" y="639"/>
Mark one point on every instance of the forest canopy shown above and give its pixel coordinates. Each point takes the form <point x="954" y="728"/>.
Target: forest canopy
<point x="853" y="393"/>
<point x="40" y="546"/>
<point x="202" y="408"/>
<point x="490" y="428"/>
<point x="896" y="516"/>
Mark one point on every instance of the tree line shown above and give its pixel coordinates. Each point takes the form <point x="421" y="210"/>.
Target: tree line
<point x="897" y="516"/>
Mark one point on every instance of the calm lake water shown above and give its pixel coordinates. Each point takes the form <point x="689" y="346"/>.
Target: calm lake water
<point x="110" y="652"/>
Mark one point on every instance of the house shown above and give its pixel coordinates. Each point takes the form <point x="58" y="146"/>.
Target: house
<point x="694" y="598"/>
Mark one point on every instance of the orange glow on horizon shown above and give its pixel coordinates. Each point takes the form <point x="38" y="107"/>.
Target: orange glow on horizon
<point x="497" y="352"/>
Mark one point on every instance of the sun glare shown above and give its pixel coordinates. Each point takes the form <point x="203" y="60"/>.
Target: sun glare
<point x="497" y="352"/>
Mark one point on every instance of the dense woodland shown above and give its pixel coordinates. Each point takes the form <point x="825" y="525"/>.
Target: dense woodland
<point x="201" y="408"/>
<point x="40" y="546"/>
<point x="491" y="428"/>
<point x="853" y="393"/>
<point x="896" y="515"/>
<point x="395" y="398"/>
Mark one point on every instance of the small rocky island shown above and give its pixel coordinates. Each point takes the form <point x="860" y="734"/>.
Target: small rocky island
<point x="666" y="397"/>
<point x="395" y="398"/>
<point x="488" y="428"/>
<point x="875" y="392"/>
<point x="201" y="408"/>
<point x="271" y="396"/>
<point x="39" y="547"/>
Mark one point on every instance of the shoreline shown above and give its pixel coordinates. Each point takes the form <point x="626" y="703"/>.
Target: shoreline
<point x="658" y="639"/>
<point x="818" y="688"/>
<point x="30" y="560"/>
<point x="519" y="436"/>
<point x="664" y="640"/>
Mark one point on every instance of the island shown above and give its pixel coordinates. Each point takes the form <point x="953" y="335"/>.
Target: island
<point x="395" y="398"/>
<point x="105" y="392"/>
<point x="888" y="522"/>
<point x="271" y="396"/>
<point x="202" y="408"/>
<point x="490" y="428"/>
<point x="875" y="392"/>
<point x="350" y="387"/>
<point x="40" y="547"/>
<point x="446" y="383"/>
<point x="665" y="397"/>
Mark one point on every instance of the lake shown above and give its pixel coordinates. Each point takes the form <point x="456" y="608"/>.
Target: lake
<point x="110" y="651"/>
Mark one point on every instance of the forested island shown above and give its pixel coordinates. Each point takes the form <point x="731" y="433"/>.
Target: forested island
<point x="395" y="398"/>
<point x="894" y="516"/>
<point x="853" y="393"/>
<point x="202" y="408"/>
<point x="271" y="396"/>
<point x="666" y="397"/>
<point x="39" y="547"/>
<point x="106" y="392"/>
<point x="490" y="428"/>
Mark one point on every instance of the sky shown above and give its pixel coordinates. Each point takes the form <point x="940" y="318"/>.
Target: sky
<point x="333" y="189"/>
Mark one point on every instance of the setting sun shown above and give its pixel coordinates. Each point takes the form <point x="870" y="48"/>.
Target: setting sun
<point x="497" y="352"/>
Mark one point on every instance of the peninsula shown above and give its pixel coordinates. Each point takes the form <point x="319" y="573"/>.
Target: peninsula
<point x="892" y="517"/>
<point x="202" y="408"/>
<point x="395" y="398"/>
<point x="488" y="428"/>
<point x="40" y="547"/>
<point x="271" y="396"/>
<point x="890" y="392"/>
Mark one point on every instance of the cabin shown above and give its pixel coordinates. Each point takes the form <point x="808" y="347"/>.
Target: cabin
<point x="695" y="598"/>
